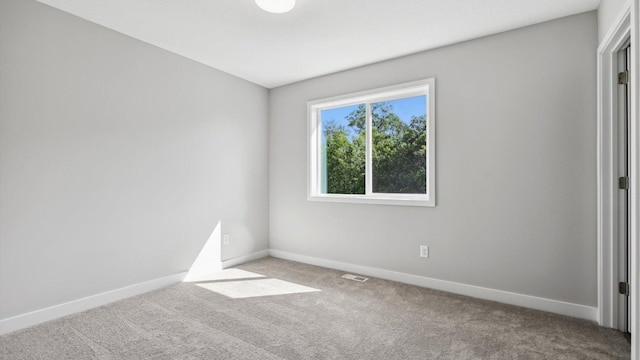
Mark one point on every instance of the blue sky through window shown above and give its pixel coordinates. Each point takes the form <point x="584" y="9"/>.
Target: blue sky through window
<point x="404" y="108"/>
<point x="337" y="117"/>
<point x="408" y="107"/>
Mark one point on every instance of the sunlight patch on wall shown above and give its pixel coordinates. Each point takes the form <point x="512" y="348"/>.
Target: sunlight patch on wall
<point x="209" y="259"/>
<point x="256" y="288"/>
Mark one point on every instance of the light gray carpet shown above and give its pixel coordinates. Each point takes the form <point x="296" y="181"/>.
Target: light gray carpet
<point x="377" y="319"/>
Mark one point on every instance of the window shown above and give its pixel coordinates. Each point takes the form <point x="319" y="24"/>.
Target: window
<point x="375" y="146"/>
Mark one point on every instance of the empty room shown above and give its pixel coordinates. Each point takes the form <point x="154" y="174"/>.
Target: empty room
<point x="319" y="179"/>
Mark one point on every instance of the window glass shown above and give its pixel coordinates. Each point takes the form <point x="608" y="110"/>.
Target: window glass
<point x="399" y="146"/>
<point x="375" y="146"/>
<point x="343" y="150"/>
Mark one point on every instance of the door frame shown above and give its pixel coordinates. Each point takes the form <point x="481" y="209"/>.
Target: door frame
<point x="625" y="27"/>
<point x="622" y="216"/>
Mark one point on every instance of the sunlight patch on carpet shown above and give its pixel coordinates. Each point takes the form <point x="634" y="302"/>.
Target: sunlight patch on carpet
<point x="227" y="274"/>
<point x="256" y="288"/>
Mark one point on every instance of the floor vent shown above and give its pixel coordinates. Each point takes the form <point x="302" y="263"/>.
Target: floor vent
<point x="355" y="277"/>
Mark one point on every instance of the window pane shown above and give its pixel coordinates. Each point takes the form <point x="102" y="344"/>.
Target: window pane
<point x="399" y="146"/>
<point x="343" y="152"/>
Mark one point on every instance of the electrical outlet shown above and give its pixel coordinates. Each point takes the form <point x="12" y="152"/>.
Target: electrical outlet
<point x="226" y="239"/>
<point x="424" y="251"/>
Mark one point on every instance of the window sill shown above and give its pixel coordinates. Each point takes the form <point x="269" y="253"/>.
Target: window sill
<point x="378" y="199"/>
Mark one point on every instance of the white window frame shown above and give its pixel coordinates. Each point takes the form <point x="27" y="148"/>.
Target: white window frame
<point x="405" y="90"/>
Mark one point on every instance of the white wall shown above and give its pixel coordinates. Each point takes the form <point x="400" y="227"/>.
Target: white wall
<point x="117" y="159"/>
<point x="516" y="127"/>
<point x="607" y="12"/>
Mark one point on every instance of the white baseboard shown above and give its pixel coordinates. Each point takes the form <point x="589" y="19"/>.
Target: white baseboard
<point x="559" y="307"/>
<point x="245" y="258"/>
<point x="527" y="301"/>
<point x="57" y="311"/>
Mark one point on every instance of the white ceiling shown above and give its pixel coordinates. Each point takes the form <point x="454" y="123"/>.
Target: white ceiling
<point x="318" y="37"/>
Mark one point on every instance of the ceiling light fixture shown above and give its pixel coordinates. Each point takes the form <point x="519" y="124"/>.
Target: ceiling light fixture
<point x="276" y="6"/>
